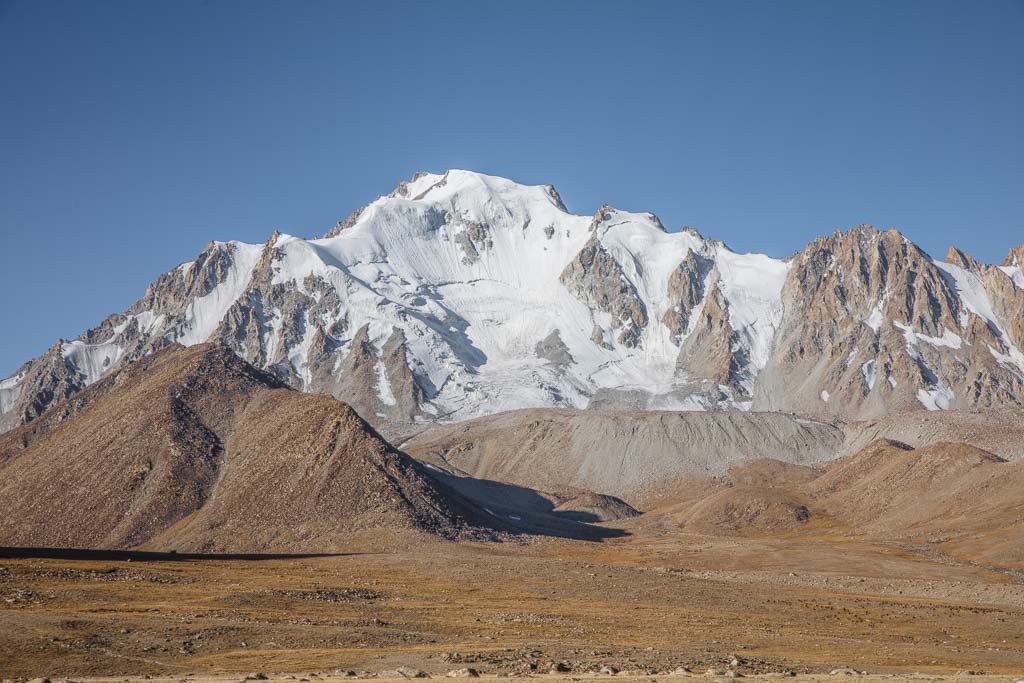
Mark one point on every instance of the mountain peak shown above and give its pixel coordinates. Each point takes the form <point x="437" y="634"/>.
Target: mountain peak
<point x="1015" y="257"/>
<point x="959" y="257"/>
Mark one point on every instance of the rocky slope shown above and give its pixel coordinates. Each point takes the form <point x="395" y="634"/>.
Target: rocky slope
<point x="873" y="326"/>
<point x="942" y="499"/>
<point x="461" y="294"/>
<point x="952" y="496"/>
<point x="637" y="456"/>
<point x="194" y="449"/>
<point x="999" y="431"/>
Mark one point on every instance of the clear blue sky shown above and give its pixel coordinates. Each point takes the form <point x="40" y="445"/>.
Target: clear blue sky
<point x="131" y="133"/>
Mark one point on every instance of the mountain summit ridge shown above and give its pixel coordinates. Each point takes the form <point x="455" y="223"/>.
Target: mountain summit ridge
<point x="461" y="294"/>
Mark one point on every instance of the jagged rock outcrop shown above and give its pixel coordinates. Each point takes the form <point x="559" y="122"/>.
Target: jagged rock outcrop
<point x="377" y="382"/>
<point x="709" y="352"/>
<point x="686" y="290"/>
<point x="597" y="279"/>
<point x="164" y="311"/>
<point x="874" y="325"/>
<point x="474" y="239"/>
<point x="36" y="385"/>
<point x="1004" y="286"/>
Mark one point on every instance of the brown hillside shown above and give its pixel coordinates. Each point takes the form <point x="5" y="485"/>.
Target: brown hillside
<point x="951" y="494"/>
<point x="194" y="449"/>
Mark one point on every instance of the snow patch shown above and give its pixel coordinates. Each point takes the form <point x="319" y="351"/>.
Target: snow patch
<point x="92" y="360"/>
<point x="752" y="286"/>
<point x="1009" y="362"/>
<point x="298" y="356"/>
<point x="10" y="391"/>
<point x="870" y="373"/>
<point x="971" y="291"/>
<point x="875" y="320"/>
<point x="387" y="396"/>
<point x="948" y="339"/>
<point x="203" y="315"/>
<point x="1015" y="273"/>
<point x="935" y="398"/>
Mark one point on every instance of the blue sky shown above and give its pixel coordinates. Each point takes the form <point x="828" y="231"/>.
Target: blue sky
<point x="131" y="133"/>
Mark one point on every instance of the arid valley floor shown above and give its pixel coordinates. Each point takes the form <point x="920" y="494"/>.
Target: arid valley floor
<point x="645" y="603"/>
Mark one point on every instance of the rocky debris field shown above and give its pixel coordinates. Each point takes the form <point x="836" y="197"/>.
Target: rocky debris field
<point x="604" y="674"/>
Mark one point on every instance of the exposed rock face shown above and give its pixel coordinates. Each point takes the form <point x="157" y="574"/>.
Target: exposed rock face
<point x="686" y="288"/>
<point x="597" y="279"/>
<point x="873" y="325"/>
<point x="474" y="239"/>
<point x="1015" y="257"/>
<point x="708" y="352"/>
<point x="402" y="386"/>
<point x="1004" y="286"/>
<point x="554" y="350"/>
<point x="461" y="294"/>
<point x="194" y="449"/>
<point x="68" y="367"/>
<point x="36" y="385"/>
<point x="376" y="382"/>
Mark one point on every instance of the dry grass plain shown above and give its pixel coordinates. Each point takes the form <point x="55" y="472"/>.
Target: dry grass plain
<point x="323" y="677"/>
<point x="645" y="603"/>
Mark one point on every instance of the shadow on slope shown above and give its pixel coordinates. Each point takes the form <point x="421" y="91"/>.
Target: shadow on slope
<point x="194" y="450"/>
<point x="521" y="510"/>
<point x="88" y="554"/>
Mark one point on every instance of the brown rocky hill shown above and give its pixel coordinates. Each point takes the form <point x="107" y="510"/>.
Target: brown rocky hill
<point x="944" y="498"/>
<point x="951" y="495"/>
<point x="194" y="449"/>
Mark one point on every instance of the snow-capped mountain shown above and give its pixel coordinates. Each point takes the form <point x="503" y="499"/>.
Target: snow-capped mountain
<point x="463" y="294"/>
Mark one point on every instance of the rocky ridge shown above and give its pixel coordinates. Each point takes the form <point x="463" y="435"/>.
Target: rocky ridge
<point x="460" y="294"/>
